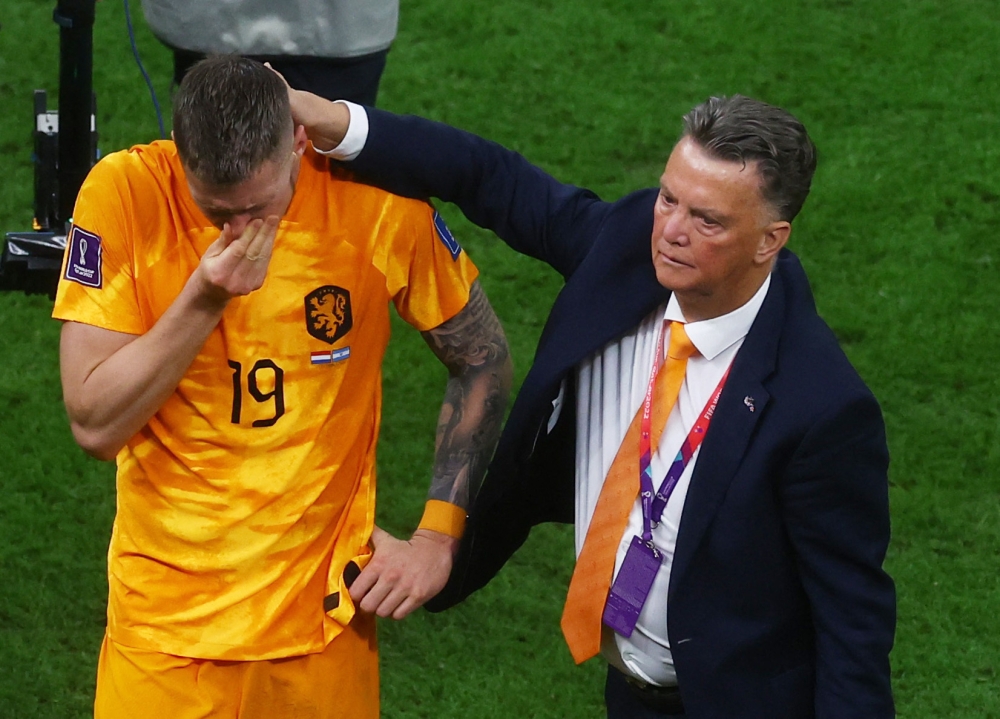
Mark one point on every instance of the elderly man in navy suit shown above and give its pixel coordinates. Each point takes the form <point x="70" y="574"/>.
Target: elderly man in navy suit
<point x="723" y="462"/>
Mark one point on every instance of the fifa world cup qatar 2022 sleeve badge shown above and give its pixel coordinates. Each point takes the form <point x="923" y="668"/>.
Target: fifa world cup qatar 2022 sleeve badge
<point x="84" y="262"/>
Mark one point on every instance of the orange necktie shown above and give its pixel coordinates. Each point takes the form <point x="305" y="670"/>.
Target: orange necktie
<point x="588" y="589"/>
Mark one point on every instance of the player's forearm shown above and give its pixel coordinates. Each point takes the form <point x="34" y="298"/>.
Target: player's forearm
<point x="474" y="348"/>
<point x="111" y="401"/>
<point x="401" y="576"/>
<point x="468" y="430"/>
<point x="113" y="386"/>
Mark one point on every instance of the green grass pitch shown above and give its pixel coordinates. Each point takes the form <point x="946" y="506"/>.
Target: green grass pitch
<point x="900" y="238"/>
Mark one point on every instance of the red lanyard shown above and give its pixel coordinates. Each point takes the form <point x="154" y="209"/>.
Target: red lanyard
<point x="652" y="509"/>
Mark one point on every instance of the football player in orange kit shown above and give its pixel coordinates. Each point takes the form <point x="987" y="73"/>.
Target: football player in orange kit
<point x="225" y="300"/>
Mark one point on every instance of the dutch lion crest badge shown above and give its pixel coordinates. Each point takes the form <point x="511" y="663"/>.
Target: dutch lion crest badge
<point x="328" y="313"/>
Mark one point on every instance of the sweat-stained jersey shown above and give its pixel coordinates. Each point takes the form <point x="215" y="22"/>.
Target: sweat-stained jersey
<point x="243" y="499"/>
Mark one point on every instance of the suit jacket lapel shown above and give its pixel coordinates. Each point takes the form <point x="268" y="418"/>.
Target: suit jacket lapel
<point x="741" y="407"/>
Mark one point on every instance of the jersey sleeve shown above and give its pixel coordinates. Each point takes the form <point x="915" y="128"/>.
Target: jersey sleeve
<point x="428" y="274"/>
<point x="97" y="282"/>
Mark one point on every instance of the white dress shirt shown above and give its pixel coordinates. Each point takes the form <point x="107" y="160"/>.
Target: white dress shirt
<point x="611" y="385"/>
<point x="355" y="137"/>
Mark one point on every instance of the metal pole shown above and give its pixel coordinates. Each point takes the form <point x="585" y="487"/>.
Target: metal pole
<point x="76" y="45"/>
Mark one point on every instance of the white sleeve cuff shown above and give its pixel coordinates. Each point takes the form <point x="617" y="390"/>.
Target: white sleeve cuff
<point x="355" y="138"/>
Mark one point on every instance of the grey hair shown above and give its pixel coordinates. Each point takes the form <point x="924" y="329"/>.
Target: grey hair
<point x="741" y="129"/>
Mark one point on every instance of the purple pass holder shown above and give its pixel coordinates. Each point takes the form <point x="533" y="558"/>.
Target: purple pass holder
<point x="631" y="587"/>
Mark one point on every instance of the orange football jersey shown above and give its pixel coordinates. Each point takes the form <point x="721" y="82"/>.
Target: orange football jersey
<point x="245" y="496"/>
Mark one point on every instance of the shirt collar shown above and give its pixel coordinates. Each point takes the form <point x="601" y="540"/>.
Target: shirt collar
<point x="714" y="336"/>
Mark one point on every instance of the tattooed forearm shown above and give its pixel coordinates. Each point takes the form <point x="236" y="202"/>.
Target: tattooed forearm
<point x="473" y="347"/>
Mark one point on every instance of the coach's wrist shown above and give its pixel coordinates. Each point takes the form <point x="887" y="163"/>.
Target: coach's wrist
<point x="326" y="123"/>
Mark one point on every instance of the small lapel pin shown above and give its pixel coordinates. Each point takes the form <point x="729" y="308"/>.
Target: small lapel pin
<point x="748" y="401"/>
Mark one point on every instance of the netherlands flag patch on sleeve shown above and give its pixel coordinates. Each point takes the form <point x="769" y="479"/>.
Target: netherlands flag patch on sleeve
<point x="84" y="263"/>
<point x="447" y="239"/>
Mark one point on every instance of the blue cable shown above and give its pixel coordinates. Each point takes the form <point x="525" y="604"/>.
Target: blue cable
<point x="145" y="75"/>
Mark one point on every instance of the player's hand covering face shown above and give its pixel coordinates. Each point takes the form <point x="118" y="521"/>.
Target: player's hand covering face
<point x="234" y="266"/>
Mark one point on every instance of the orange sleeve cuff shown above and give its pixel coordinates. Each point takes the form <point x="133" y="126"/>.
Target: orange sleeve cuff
<point x="443" y="517"/>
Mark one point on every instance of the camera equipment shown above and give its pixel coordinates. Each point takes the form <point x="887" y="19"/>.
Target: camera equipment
<point x="65" y="148"/>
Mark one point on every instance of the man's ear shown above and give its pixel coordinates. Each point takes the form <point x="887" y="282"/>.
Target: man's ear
<point x="774" y="238"/>
<point x="172" y="136"/>
<point x="300" y="140"/>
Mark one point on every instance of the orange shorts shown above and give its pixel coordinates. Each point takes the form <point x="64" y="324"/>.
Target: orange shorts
<point x="341" y="682"/>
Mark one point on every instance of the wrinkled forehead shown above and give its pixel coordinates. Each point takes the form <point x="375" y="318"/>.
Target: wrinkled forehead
<point x="693" y="152"/>
<point x="697" y="177"/>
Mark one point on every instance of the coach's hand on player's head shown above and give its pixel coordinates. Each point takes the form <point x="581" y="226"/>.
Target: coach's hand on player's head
<point x="402" y="575"/>
<point x="325" y="122"/>
<point x="234" y="266"/>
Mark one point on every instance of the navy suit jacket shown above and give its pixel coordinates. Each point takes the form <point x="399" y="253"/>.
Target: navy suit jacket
<point x="779" y="607"/>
